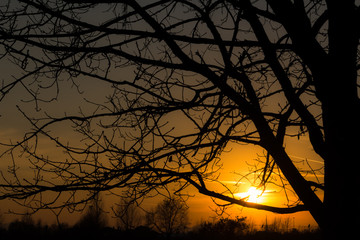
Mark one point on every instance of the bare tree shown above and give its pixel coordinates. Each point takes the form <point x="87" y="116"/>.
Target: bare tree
<point x="169" y="217"/>
<point x="188" y="78"/>
<point x="94" y="218"/>
<point x="127" y="214"/>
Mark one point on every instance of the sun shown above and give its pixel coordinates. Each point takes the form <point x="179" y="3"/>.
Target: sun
<point x="252" y="195"/>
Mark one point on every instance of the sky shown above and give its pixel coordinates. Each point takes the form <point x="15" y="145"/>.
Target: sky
<point x="238" y="160"/>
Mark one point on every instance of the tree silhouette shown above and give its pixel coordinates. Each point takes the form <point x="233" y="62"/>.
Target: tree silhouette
<point x="224" y="228"/>
<point x="128" y="216"/>
<point x="169" y="217"/>
<point x="94" y="218"/>
<point x="187" y="78"/>
<point x="23" y="227"/>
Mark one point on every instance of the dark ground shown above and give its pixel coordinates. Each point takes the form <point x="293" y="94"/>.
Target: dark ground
<point x="144" y="233"/>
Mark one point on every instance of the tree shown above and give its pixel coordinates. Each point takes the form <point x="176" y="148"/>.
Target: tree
<point x="247" y="72"/>
<point x="94" y="218"/>
<point x="128" y="216"/>
<point x="169" y="217"/>
<point x="23" y="227"/>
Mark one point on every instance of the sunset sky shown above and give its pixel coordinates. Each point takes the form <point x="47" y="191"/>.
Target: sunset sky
<point x="238" y="160"/>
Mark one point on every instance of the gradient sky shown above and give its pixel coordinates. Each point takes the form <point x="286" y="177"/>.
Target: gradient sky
<point x="237" y="159"/>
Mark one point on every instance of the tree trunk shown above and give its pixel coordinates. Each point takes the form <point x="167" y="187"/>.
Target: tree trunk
<point x="341" y="124"/>
<point x="341" y="111"/>
<point x="297" y="182"/>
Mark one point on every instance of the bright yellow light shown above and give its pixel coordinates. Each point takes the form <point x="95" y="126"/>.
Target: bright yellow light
<point x="252" y="195"/>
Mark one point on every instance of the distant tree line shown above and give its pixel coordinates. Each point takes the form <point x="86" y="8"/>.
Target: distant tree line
<point x="168" y="220"/>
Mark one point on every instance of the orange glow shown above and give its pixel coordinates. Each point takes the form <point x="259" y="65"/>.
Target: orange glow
<point x="253" y="195"/>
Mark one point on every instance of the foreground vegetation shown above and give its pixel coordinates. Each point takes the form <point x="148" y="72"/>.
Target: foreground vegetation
<point x="224" y="228"/>
<point x="167" y="221"/>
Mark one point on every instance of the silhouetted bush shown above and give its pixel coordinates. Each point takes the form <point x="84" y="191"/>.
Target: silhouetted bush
<point x="224" y="228"/>
<point x="292" y="235"/>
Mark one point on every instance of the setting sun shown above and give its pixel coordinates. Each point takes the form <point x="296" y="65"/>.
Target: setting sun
<point x="252" y="195"/>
